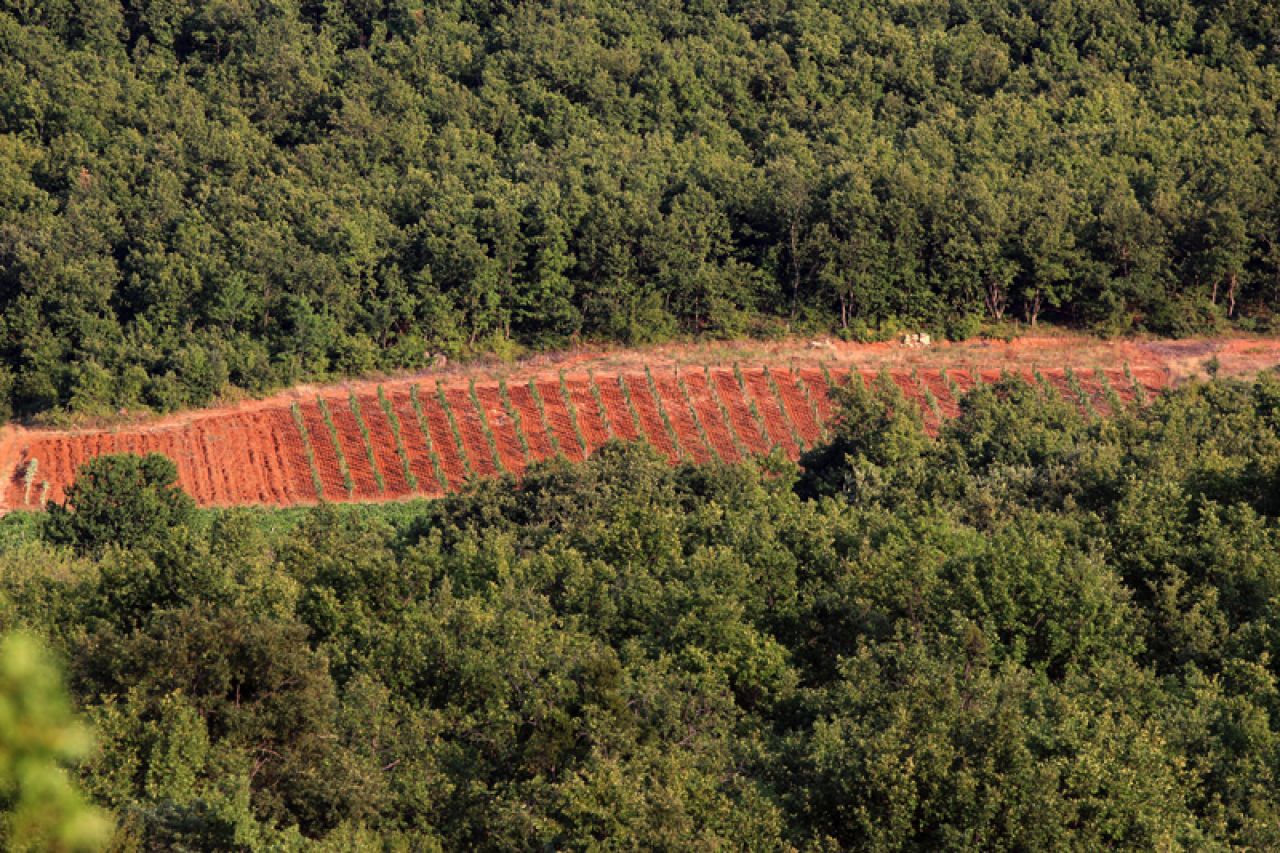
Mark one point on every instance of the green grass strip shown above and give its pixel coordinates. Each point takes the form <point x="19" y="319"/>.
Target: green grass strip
<point x="542" y="413"/>
<point x="308" y="449"/>
<point x="573" y="414"/>
<point x="812" y="403"/>
<point x="1113" y="399"/>
<point x="952" y="386"/>
<point x="456" y="430"/>
<point x="724" y="413"/>
<point x="368" y="441"/>
<point x="28" y="479"/>
<point x="662" y="411"/>
<point x="516" y="421"/>
<point x="604" y="413"/>
<point x="1139" y="393"/>
<point x="631" y="406"/>
<point x="697" y="419"/>
<point x="751" y="405"/>
<point x="1073" y="382"/>
<point x="401" y="451"/>
<point x="777" y="398"/>
<point x="436" y="466"/>
<point x="930" y="400"/>
<point x="489" y="437"/>
<point x="343" y="468"/>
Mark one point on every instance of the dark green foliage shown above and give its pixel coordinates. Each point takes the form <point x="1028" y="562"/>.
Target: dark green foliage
<point x="204" y="195"/>
<point x="123" y="500"/>
<point x="1039" y="629"/>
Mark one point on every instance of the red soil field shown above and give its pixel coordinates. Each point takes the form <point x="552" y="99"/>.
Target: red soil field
<point x="415" y="443"/>
<point x="797" y="406"/>
<point x="932" y="379"/>
<point x="351" y="442"/>
<point x="711" y="417"/>
<point x="559" y="419"/>
<point x="650" y="418"/>
<point x="621" y="422"/>
<point x="589" y="419"/>
<point x="441" y="434"/>
<point x="384" y="446"/>
<point x="531" y="423"/>
<point x="776" y="422"/>
<point x="326" y="457"/>
<point x="682" y="418"/>
<point x="749" y="431"/>
<point x="503" y="428"/>
<point x="472" y="432"/>
<point x="255" y="453"/>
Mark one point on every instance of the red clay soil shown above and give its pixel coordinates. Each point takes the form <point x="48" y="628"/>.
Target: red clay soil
<point x="559" y="419"/>
<point x="472" y="432"/>
<point x="963" y="380"/>
<point x="255" y="453"/>
<point x="322" y="448"/>
<point x="531" y="422"/>
<point x="415" y="443"/>
<point x="816" y="382"/>
<point x="650" y="419"/>
<point x="590" y="420"/>
<point x="396" y="485"/>
<point x="442" y="440"/>
<point x="621" y="422"/>
<point x="797" y="406"/>
<point x="503" y="428"/>
<point x="351" y="441"/>
<point x="710" y="416"/>
<point x="673" y="402"/>
<point x="749" y="430"/>
<point x="932" y="379"/>
<point x="776" y="423"/>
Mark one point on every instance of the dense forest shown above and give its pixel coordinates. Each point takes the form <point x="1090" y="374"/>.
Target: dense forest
<point x="196" y="196"/>
<point x="1038" y="630"/>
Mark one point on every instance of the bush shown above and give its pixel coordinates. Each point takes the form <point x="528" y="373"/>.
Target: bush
<point x="120" y="499"/>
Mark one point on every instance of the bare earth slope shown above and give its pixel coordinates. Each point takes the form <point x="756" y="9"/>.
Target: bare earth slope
<point x="426" y="434"/>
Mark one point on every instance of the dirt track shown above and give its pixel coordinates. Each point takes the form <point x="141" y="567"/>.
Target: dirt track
<point x="426" y="434"/>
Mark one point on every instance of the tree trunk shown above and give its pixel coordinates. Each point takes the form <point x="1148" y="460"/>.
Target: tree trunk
<point x="995" y="299"/>
<point x="1032" y="309"/>
<point x="795" y="264"/>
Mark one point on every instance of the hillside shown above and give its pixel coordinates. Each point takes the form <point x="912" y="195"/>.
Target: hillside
<point x="426" y="435"/>
<point x="255" y="193"/>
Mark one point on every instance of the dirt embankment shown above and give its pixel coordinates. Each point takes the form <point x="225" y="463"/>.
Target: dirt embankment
<point x="427" y="434"/>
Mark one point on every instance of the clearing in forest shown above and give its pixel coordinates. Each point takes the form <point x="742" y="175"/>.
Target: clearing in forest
<point x="427" y="434"/>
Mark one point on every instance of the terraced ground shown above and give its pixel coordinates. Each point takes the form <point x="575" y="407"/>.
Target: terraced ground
<point x="426" y="435"/>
